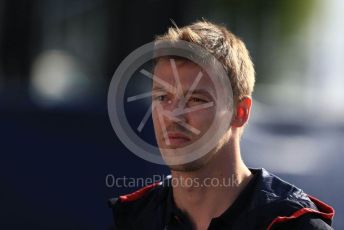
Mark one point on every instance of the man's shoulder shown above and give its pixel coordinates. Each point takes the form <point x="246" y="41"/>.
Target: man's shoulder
<point x="139" y="205"/>
<point x="272" y="190"/>
<point x="144" y="196"/>
<point x="278" y="201"/>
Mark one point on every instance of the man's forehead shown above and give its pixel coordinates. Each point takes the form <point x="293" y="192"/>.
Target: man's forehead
<point x="170" y="71"/>
<point x="166" y="63"/>
<point x="185" y="70"/>
<point x="168" y="82"/>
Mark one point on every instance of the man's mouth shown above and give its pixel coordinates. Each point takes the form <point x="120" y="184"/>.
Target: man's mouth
<point x="176" y="138"/>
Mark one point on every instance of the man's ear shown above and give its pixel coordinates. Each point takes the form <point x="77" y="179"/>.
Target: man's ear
<point x="242" y="112"/>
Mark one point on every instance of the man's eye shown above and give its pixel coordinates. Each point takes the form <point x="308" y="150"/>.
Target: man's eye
<point x="197" y="100"/>
<point x="194" y="101"/>
<point x="160" y="97"/>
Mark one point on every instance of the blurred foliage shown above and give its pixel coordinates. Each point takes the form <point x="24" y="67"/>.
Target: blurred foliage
<point x="290" y="14"/>
<point x="269" y="29"/>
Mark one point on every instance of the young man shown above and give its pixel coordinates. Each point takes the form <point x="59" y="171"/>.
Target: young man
<point x="254" y="199"/>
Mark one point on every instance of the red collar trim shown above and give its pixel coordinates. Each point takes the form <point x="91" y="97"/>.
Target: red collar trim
<point x="137" y="194"/>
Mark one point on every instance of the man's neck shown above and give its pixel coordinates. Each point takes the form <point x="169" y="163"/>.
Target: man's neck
<point x="208" y="191"/>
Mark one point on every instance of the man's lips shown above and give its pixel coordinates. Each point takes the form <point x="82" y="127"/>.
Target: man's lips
<point x="177" y="138"/>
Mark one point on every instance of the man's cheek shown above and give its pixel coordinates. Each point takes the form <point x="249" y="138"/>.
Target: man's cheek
<point x="155" y="124"/>
<point x="203" y="118"/>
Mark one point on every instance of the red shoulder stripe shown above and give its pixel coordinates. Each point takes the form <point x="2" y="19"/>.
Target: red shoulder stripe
<point x="137" y="194"/>
<point x="325" y="211"/>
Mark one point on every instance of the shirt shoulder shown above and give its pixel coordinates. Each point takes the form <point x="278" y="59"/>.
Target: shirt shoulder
<point x="305" y="222"/>
<point x="280" y="203"/>
<point x="133" y="209"/>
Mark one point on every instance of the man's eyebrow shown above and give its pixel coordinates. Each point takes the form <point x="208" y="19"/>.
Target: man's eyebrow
<point x="158" y="88"/>
<point x="195" y="91"/>
<point x="202" y="91"/>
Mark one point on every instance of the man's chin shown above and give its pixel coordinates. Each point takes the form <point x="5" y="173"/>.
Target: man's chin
<point x="191" y="166"/>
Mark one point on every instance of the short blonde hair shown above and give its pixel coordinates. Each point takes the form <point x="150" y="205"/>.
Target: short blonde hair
<point x="225" y="46"/>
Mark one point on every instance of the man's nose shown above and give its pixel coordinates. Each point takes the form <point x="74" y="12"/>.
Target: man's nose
<point x="174" y="111"/>
<point x="171" y="104"/>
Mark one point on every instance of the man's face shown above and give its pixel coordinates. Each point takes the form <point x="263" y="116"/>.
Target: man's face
<point x="184" y="103"/>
